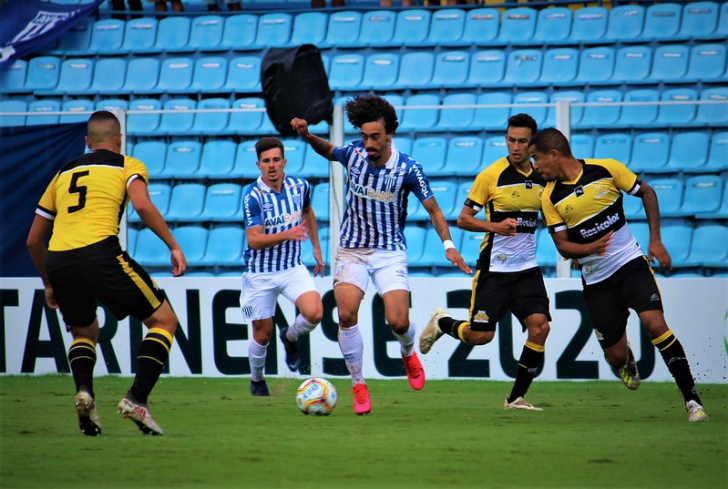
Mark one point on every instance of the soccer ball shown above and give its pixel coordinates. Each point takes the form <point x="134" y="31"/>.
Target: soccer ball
<point x="316" y="396"/>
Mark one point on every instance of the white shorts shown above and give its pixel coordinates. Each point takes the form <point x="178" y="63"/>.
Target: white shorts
<point x="261" y="290"/>
<point x="388" y="268"/>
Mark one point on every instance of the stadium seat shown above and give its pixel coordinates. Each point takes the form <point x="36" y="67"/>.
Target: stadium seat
<point x="347" y="71"/>
<point x="186" y="202"/>
<point x="159" y="193"/>
<point x="107" y="36"/>
<point x="650" y="152"/>
<point x="112" y="103"/>
<point x="634" y="208"/>
<point x="470" y="247"/>
<point x="699" y="19"/>
<point x="12" y="78"/>
<point x="412" y="27"/>
<point x="153" y="154"/>
<point x="708" y="247"/>
<point x="377" y="28"/>
<point x="75" y="41"/>
<point x="589" y="25"/>
<point x="397" y="101"/>
<point x="560" y="66"/>
<point x="576" y="113"/>
<point x="209" y="74"/>
<point x="43" y="72"/>
<point x="309" y="28"/>
<point x="464" y="156"/>
<point x="415" y="70"/>
<point x="670" y="63"/>
<point x="677" y="115"/>
<point x="175" y="75"/>
<point x="430" y="152"/>
<point x="73" y="106"/>
<point x="632" y="64"/>
<point x="523" y="67"/>
<point x="243" y="75"/>
<point x="320" y="201"/>
<point x="688" y="152"/>
<point x="707" y="63"/>
<point x="451" y="69"/>
<point x="494" y="149"/>
<point x="669" y="194"/>
<point x="246" y="122"/>
<point x="662" y="22"/>
<point x="538" y="113"/>
<point x="482" y="26"/>
<point x="461" y="194"/>
<point x="239" y="32"/>
<point x="625" y="23"/>
<point x="274" y="30"/>
<point x="245" y="159"/>
<point x="616" y="146"/>
<point x="640" y="230"/>
<point x="223" y="202"/>
<point x="722" y="212"/>
<point x="487" y="68"/>
<point x="445" y="192"/>
<point x="313" y="166"/>
<point x="212" y="123"/>
<point x="380" y="71"/>
<point x="38" y="107"/>
<point x="420" y="119"/>
<point x="180" y="120"/>
<point x="183" y="160"/>
<point x="713" y="114"/>
<point x="137" y="124"/>
<point x="639" y="115"/>
<point x="131" y="237"/>
<point x="415" y="239"/>
<point x="75" y="78"/>
<point x="460" y="118"/>
<point x="703" y="194"/>
<point x="150" y="250"/>
<point x="582" y="145"/>
<point x="446" y="27"/>
<point x="677" y="238"/>
<point x="225" y="246"/>
<point x="433" y="254"/>
<point x="206" y="32"/>
<point x="596" y="65"/>
<point x="553" y="25"/>
<point x="12" y="106"/>
<point x="218" y="158"/>
<point x="722" y="30"/>
<point x="601" y="116"/>
<point x="173" y="34"/>
<point x="718" y="156"/>
<point x="109" y="75"/>
<point x="517" y="26"/>
<point x="146" y="83"/>
<point x="295" y="152"/>
<point x="343" y="29"/>
<point x="402" y="144"/>
<point x="492" y="118"/>
<point x="193" y="240"/>
<point x="415" y="211"/>
<point x="140" y="35"/>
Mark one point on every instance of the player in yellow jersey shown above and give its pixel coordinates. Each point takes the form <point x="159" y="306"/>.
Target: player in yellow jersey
<point x="84" y="262"/>
<point x="582" y="204"/>
<point x="508" y="276"/>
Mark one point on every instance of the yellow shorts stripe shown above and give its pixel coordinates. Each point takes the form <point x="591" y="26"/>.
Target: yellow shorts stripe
<point x="143" y="287"/>
<point x="535" y="347"/>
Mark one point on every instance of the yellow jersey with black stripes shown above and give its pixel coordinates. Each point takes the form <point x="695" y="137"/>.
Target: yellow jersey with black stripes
<point x="590" y="207"/>
<point x="505" y="192"/>
<point x="86" y="199"/>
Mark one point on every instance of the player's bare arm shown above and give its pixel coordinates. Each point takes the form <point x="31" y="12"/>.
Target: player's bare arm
<point x="569" y="249"/>
<point x="40" y="230"/>
<point x="467" y="220"/>
<point x="443" y="231"/>
<point x="258" y="240"/>
<point x="320" y="145"/>
<point x="309" y="220"/>
<point x="656" y="250"/>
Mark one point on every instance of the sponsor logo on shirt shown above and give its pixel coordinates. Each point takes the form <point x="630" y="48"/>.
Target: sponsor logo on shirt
<point x="373" y="194"/>
<point x="282" y="219"/>
<point x="600" y="226"/>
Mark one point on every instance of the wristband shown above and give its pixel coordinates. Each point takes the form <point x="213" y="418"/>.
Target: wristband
<point x="448" y="244"/>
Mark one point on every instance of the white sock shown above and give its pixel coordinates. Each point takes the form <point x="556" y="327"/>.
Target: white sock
<point x="407" y="340"/>
<point x="352" y="347"/>
<point x="300" y="326"/>
<point x="256" y="355"/>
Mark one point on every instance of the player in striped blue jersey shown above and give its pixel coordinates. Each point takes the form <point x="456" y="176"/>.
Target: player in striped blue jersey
<point x="278" y="217"/>
<point x="372" y="243"/>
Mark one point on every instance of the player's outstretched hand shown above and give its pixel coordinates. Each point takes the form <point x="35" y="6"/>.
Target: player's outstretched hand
<point x="656" y="251"/>
<point x="297" y="233"/>
<point x="179" y="262"/>
<point x="457" y="260"/>
<point x="300" y="126"/>
<point x="320" y="267"/>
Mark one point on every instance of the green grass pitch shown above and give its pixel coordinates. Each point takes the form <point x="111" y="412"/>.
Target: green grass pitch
<point x="450" y="434"/>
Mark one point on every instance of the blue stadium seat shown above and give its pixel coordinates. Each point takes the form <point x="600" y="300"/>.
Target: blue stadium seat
<point x="713" y="114"/>
<point x="640" y="230"/>
<point x="193" y="240"/>
<point x="415" y="70"/>
<point x="634" y="209"/>
<point x="218" y="158"/>
<point x="39" y="107"/>
<point x="173" y="34"/>
<point x="12" y="78"/>
<point x="430" y="152"/>
<point x="380" y="71"/>
<point x="572" y="97"/>
<point x="601" y="116"/>
<point x="420" y="119"/>
<point x="183" y="160"/>
<point x="415" y="238"/>
<point x="140" y="35"/>
<point x="320" y="201"/>
<point x="451" y="69"/>
<point x="596" y="65"/>
<point x="377" y="28"/>
<point x="143" y="123"/>
<point x="245" y="159"/>
<point x="444" y="191"/>
<point x="632" y="64"/>
<point x="494" y="149"/>
<point x="109" y="75"/>
<point x="538" y="113"/>
<point x="639" y="115"/>
<point x="523" y="67"/>
<point x="689" y="152"/>
<point x="670" y="196"/>
<point x="699" y="19"/>
<point x="517" y="26"/>
<point x="107" y="36"/>
<point x="348" y="128"/>
<point x="274" y="30"/>
<point x="309" y="28"/>
<point x="403" y="144"/>
<point x="708" y="246"/>
<point x="553" y="25"/>
<point x="212" y="123"/>
<point x="343" y="29"/>
<point x="266" y="127"/>
<point x="617" y="146"/>
<point x="75" y="78"/>
<point x="650" y="152"/>
<point x="589" y="25"/>
<point x="722" y="212"/>
<point x="246" y="122"/>
<point x="492" y="118"/>
<point x="434" y="254"/>
<point x="662" y="22"/>
<point x="677" y="115"/>
<point x="314" y="165"/>
<point x="153" y="154"/>
<point x="482" y="26"/>
<point x="560" y="66"/>
<point x="717" y="159"/>
<point x="159" y="193"/>
<point x="243" y="75"/>
<point x="346" y="71"/>
<point x="397" y="101"/>
<point x="677" y="238"/>
<point x="147" y="83"/>
<point x="722" y="31"/>
<point x="206" y="32"/>
<point x="582" y="145"/>
<point x="223" y="202"/>
<point x="707" y="62"/>
<point x="175" y="75"/>
<point x="75" y="41"/>
<point x="209" y="74"/>
<point x="225" y="246"/>
<point x="186" y="202"/>
<point x="703" y="194"/>
<point x="457" y="119"/>
<point x="670" y="63"/>
<point x="546" y="253"/>
<point x="112" y="103"/>
<point x="415" y="211"/>
<point x="487" y="68"/>
<point x="131" y="237"/>
<point x="43" y="72"/>
<point x="446" y="27"/>
<point x="464" y="156"/>
<point x="12" y="106"/>
<point x="150" y="250"/>
<point x="461" y="194"/>
<point x="295" y="153"/>
<point x="239" y="32"/>
<point x="73" y="106"/>
<point x="180" y="120"/>
<point x="625" y="23"/>
<point x="470" y="247"/>
<point x="412" y="27"/>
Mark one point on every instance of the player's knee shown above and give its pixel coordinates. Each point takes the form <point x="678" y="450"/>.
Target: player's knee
<point x="480" y="337"/>
<point x="314" y="317"/>
<point x="540" y="331"/>
<point x="347" y="319"/>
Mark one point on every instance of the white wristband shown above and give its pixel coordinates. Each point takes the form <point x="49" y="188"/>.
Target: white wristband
<point x="448" y="244"/>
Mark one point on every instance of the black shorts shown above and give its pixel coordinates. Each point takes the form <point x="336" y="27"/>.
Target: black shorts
<point x="523" y="293"/>
<point x="101" y="272"/>
<point x="631" y="287"/>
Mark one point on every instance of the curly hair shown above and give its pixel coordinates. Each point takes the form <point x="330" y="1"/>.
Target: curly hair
<point x="371" y="108"/>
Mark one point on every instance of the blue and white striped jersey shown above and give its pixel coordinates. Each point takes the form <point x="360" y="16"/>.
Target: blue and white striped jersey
<point x="263" y="206"/>
<point x="377" y="197"/>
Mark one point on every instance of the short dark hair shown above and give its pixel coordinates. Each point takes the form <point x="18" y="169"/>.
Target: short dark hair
<point x="523" y="120"/>
<point x="371" y="108"/>
<point x="103" y="126"/>
<point x="264" y="144"/>
<point x="551" y="138"/>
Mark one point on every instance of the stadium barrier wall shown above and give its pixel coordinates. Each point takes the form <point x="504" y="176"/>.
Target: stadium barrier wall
<point x="213" y="338"/>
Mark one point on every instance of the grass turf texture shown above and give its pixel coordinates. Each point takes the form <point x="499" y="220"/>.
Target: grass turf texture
<point x="452" y="433"/>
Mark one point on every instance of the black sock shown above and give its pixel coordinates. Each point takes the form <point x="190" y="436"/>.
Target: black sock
<point x="531" y="359"/>
<point x="153" y="353"/>
<point x="674" y="356"/>
<point x="450" y="326"/>
<point x="82" y="357"/>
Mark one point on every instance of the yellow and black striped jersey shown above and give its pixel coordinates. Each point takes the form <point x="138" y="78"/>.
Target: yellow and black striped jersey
<point x="86" y="199"/>
<point x="503" y="191"/>
<point x="590" y="207"/>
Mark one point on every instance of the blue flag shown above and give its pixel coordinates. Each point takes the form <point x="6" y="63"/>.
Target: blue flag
<point x="27" y="26"/>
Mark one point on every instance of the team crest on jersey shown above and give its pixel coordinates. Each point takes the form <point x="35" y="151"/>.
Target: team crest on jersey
<point x="579" y="191"/>
<point x="297" y="199"/>
<point x="568" y="208"/>
<point x="529" y="184"/>
<point x="501" y="257"/>
<point x="354" y="170"/>
<point x="515" y="194"/>
<point x="481" y="317"/>
<point x="390" y="181"/>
